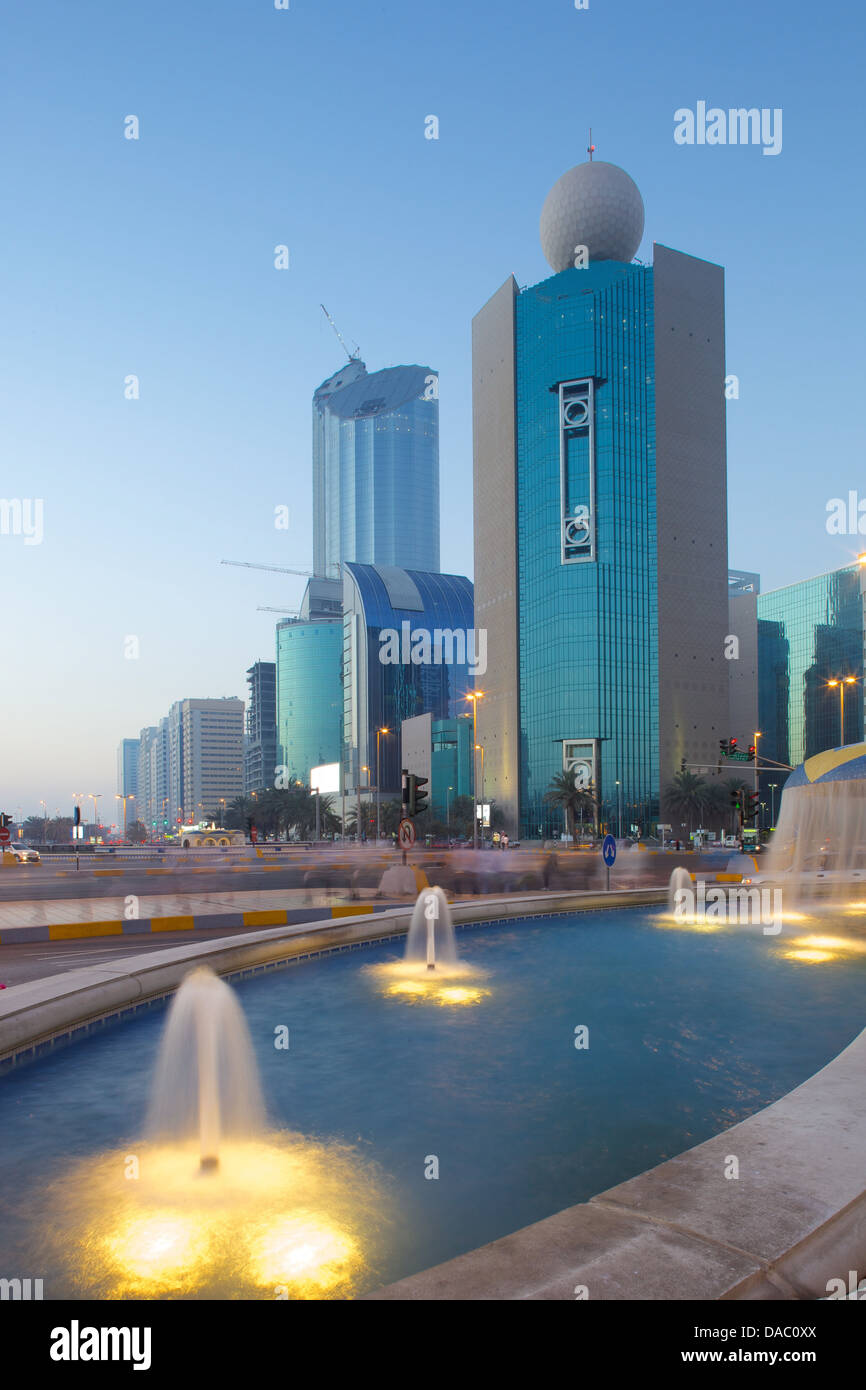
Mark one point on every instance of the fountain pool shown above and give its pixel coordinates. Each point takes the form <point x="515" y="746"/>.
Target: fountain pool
<point x="397" y="1136"/>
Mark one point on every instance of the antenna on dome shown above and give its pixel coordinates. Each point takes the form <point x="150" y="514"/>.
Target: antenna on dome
<point x="590" y="149"/>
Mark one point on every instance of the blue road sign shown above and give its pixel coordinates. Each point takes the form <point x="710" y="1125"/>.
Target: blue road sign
<point x="608" y="850"/>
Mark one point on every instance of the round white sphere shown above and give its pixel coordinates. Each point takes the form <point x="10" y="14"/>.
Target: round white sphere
<point x="595" y="205"/>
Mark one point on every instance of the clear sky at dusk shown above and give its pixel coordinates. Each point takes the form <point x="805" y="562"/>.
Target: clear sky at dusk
<point x="305" y="126"/>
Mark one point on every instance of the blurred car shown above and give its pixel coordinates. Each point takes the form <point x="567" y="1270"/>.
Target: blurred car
<point x="25" y="855"/>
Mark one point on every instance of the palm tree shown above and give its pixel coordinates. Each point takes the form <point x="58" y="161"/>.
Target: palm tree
<point x="689" y="795"/>
<point x="564" y="792"/>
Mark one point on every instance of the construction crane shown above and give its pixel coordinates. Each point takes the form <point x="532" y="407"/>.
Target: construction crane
<point x="352" y="356"/>
<point x="280" y="569"/>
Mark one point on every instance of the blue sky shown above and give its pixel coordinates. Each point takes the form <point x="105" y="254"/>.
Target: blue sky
<point x="306" y="127"/>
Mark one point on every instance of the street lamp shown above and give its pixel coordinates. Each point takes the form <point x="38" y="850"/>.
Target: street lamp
<point x="448" y="807"/>
<point x="474" y="696"/>
<point x="773" y="786"/>
<point x="619" y="808"/>
<point x="383" y="730"/>
<point x="94" y="797"/>
<point x="130" y="796"/>
<point x="479" y="747"/>
<point x="842" y="682"/>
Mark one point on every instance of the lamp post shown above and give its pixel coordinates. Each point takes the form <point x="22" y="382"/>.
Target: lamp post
<point x="130" y="796"/>
<point x="474" y="696"/>
<point x="94" y="797"/>
<point x="378" y="785"/>
<point x="619" y="808"/>
<point x="756" y="736"/>
<point x="479" y="748"/>
<point x="773" y="786"/>
<point x="448" y="792"/>
<point x="842" y="681"/>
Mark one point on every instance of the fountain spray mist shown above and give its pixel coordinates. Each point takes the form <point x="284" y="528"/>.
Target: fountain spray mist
<point x="206" y="1081"/>
<point x="431" y="932"/>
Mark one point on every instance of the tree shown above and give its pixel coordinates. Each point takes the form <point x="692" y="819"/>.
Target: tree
<point x="136" y="833"/>
<point x="566" y="794"/>
<point x="689" y="796"/>
<point x="34" y="830"/>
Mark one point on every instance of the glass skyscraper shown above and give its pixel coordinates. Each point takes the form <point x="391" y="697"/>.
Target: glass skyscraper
<point x="380" y="693"/>
<point x="376" y="469"/>
<point x="809" y="634"/>
<point x="600" y="516"/>
<point x="309" y="694"/>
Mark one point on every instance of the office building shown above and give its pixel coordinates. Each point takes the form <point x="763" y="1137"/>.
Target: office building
<point x="409" y="648"/>
<point x="376" y="468"/>
<point x="260" y="737"/>
<point x="205" y="758"/>
<point x="600" y="513"/>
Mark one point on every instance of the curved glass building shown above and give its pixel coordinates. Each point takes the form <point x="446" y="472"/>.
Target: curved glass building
<point x="309" y="695"/>
<point x="376" y="469"/>
<point x="409" y="648"/>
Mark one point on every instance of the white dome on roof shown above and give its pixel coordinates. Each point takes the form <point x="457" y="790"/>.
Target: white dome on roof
<point x="595" y="205"/>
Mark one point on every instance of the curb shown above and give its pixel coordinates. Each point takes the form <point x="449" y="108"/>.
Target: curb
<point x="138" y="926"/>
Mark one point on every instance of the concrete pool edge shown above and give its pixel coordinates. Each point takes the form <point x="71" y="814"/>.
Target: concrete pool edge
<point x="681" y="1230"/>
<point x="54" y="1008"/>
<point x="792" y="1220"/>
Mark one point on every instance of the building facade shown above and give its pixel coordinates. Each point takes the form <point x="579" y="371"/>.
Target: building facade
<point x="600" y="520"/>
<point x="409" y="648"/>
<point x="376" y="468"/>
<point x="309" y="695"/>
<point x="810" y="634"/>
<point x="260" y="736"/>
<point x="128" y="770"/>
<point x="205" y="758"/>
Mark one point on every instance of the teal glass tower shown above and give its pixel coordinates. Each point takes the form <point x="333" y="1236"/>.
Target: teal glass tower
<point x="600" y="515"/>
<point x="309" y="694"/>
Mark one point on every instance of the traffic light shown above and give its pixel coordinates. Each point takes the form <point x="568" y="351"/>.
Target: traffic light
<point x="724" y="747"/>
<point x="753" y="801"/>
<point x="76" y="816"/>
<point x="404" y="800"/>
<point x="5" y="820"/>
<point x="752" y="751"/>
<point x="683" y="765"/>
<point x="417" y="797"/>
<point x="737" y="798"/>
<point x="732" y="745"/>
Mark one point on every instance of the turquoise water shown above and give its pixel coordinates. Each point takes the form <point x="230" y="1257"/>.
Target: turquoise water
<point x="688" y="1033"/>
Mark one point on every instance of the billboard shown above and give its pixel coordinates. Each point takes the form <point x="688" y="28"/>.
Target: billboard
<point x="325" y="778"/>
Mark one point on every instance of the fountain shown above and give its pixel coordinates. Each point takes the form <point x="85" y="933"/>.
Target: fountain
<point x="431" y="932"/>
<point x="430" y="971"/>
<point x="819" y="845"/>
<point x="206" y="1082"/>
<point x="680" y="879"/>
<point x="279" y="1214"/>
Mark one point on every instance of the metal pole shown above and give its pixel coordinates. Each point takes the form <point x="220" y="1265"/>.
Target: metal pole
<point x="378" y="811"/>
<point x="474" y="776"/>
<point x="318" y="824"/>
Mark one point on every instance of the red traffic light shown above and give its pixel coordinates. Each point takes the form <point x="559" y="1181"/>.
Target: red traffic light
<point x="732" y="743"/>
